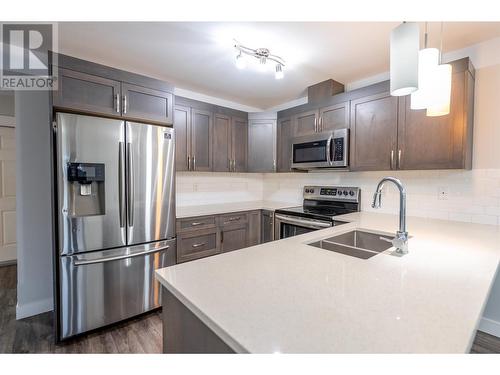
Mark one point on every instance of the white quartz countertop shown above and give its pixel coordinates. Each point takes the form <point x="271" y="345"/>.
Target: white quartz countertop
<point x="286" y="296"/>
<point x="221" y="208"/>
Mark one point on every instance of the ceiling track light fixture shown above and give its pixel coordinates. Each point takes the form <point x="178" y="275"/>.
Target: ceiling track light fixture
<point x="263" y="55"/>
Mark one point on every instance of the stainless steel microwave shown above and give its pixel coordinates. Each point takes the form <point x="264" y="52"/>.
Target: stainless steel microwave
<point x="326" y="150"/>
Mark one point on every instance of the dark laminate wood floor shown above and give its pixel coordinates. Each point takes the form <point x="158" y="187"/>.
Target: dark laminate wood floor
<point x="141" y="335"/>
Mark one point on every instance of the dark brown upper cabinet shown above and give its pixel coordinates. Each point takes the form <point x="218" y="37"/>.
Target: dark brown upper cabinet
<point x="230" y="144"/>
<point x="239" y="142"/>
<point x="443" y="142"/>
<point x="222" y="155"/>
<point x="95" y="89"/>
<point x="321" y="120"/>
<point x="193" y="139"/>
<point x="334" y="117"/>
<point x="85" y="92"/>
<point x="387" y="134"/>
<point x="182" y="127"/>
<point x="201" y="140"/>
<point x="374" y="133"/>
<point x="284" y="144"/>
<point x="142" y="103"/>
<point x="306" y="123"/>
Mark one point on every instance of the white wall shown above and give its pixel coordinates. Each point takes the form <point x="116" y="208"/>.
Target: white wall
<point x="34" y="204"/>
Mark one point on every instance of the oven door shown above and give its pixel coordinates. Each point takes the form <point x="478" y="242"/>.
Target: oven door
<point x="288" y="226"/>
<point x="312" y="152"/>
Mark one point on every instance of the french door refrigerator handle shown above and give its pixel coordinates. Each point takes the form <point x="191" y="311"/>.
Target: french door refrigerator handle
<point x="130" y="185"/>
<point x="121" y="184"/>
<point x="118" y="257"/>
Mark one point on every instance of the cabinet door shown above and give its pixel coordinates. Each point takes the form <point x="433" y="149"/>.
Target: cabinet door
<point x="435" y="142"/>
<point x="234" y="237"/>
<point x="374" y="129"/>
<point x="306" y="123"/>
<point x="197" y="244"/>
<point x="285" y="144"/>
<point x="87" y="93"/>
<point x="182" y="121"/>
<point x="141" y="103"/>
<point x="201" y="140"/>
<point x="222" y="143"/>
<point x="267" y="226"/>
<point x="334" y="117"/>
<point x="239" y="144"/>
<point x="254" y="228"/>
<point x="262" y="146"/>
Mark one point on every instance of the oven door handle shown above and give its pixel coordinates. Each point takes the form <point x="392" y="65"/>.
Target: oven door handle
<point x="305" y="223"/>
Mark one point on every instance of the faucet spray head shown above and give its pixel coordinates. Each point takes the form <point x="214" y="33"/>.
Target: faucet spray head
<point x="377" y="199"/>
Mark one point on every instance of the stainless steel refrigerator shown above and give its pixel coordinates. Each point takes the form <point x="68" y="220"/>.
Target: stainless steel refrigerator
<point x="116" y="219"/>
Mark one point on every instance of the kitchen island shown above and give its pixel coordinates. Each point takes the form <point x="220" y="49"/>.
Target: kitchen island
<point x="289" y="297"/>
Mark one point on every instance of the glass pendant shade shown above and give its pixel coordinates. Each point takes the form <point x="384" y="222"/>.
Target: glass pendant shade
<point x="428" y="61"/>
<point x="440" y="96"/>
<point x="279" y="72"/>
<point x="405" y="43"/>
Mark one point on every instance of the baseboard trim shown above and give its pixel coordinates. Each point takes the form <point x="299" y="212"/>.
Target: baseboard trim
<point x="10" y="262"/>
<point x="33" y="308"/>
<point x="490" y="326"/>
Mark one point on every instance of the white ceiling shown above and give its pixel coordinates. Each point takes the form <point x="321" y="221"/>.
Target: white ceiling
<point x="200" y="56"/>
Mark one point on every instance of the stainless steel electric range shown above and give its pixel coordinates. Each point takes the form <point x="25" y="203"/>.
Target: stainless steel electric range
<point x="320" y="207"/>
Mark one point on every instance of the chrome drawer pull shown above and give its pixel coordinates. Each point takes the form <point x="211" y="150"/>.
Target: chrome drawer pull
<point x="196" y="223"/>
<point x="198" y="244"/>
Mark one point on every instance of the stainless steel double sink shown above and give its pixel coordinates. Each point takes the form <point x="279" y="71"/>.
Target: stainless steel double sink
<point x="356" y="243"/>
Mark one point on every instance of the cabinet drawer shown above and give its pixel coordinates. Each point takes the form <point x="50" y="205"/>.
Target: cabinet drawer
<point x="231" y="219"/>
<point x="197" y="244"/>
<point x="202" y="222"/>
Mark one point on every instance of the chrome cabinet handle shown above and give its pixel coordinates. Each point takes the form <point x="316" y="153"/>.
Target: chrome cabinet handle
<point x="130" y="173"/>
<point x="274" y="165"/>
<point x="196" y="223"/>
<point x="399" y="158"/>
<point x="315" y="125"/>
<point x="194" y="163"/>
<point x="392" y="159"/>
<point x="321" y="123"/>
<point x="189" y="163"/>
<point x="117" y="103"/>
<point x="235" y="218"/>
<point x="119" y="257"/>
<point x="124" y="104"/>
<point x="121" y="184"/>
<point x="195" y="245"/>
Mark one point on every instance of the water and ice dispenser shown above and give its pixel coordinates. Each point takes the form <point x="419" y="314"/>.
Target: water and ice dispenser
<point x="86" y="189"/>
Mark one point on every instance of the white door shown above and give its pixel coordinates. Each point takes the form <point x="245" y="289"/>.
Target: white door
<point x="7" y="192"/>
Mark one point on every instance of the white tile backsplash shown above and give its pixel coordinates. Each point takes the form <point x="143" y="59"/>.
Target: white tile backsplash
<point x="472" y="196"/>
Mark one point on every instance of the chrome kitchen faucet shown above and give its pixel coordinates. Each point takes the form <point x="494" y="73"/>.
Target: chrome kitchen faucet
<point x="400" y="241"/>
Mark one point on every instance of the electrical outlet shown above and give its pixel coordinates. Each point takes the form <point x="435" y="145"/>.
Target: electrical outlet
<point x="443" y="193"/>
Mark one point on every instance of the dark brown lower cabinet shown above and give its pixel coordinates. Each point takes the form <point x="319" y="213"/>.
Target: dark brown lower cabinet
<point x="199" y="237"/>
<point x="195" y="244"/>
<point x="234" y="237"/>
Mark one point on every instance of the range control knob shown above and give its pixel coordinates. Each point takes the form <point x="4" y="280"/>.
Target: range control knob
<point x="345" y="192"/>
<point x="351" y="193"/>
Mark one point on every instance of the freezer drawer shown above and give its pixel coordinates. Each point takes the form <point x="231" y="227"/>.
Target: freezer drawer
<point x="104" y="287"/>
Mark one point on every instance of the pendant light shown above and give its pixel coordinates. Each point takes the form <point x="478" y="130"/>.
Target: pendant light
<point x="405" y="43"/>
<point x="440" y="97"/>
<point x="428" y="60"/>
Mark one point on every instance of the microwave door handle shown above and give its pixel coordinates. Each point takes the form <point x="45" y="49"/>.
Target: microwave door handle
<point x="329" y="150"/>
